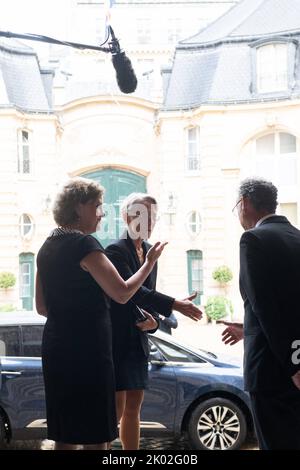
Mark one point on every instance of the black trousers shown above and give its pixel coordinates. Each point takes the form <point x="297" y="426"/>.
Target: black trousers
<point x="276" y="417"/>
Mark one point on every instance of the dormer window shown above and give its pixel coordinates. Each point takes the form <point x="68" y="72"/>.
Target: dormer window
<point x="272" y="67"/>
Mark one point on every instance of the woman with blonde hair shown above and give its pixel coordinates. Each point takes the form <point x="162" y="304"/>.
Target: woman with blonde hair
<point x="73" y="284"/>
<point x="130" y="341"/>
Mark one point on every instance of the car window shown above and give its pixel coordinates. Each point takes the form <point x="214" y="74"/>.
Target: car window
<point x="9" y="341"/>
<point x="175" y="353"/>
<point x="32" y="340"/>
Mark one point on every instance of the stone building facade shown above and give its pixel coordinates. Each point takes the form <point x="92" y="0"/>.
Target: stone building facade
<point x="227" y="108"/>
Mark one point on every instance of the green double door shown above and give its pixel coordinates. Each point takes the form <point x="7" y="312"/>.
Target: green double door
<point x="118" y="184"/>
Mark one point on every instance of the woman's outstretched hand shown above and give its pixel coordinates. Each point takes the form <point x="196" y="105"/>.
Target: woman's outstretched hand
<point x="155" y="251"/>
<point x="187" y="308"/>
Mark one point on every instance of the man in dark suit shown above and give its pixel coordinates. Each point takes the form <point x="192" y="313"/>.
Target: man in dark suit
<point x="269" y="285"/>
<point x="130" y="341"/>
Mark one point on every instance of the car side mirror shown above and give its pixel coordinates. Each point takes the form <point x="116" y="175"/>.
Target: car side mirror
<point x="155" y="356"/>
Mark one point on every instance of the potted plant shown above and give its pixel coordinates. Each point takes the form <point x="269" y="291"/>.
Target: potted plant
<point x="7" y="280"/>
<point x="7" y="308"/>
<point x="218" y="307"/>
<point x="223" y="275"/>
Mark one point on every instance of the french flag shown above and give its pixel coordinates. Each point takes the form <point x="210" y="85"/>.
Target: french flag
<point x="108" y="4"/>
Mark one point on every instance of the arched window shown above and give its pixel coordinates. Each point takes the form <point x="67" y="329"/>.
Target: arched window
<point x="276" y="158"/>
<point x="193" y="223"/>
<point x="272" y="67"/>
<point x="26" y="226"/>
<point x="195" y="273"/>
<point x="273" y="156"/>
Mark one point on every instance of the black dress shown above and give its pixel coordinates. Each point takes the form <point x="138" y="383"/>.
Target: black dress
<point x="76" y="348"/>
<point x="130" y="344"/>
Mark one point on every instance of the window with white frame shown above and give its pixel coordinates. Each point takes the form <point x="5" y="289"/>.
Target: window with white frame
<point x="24" y="158"/>
<point x="195" y="273"/>
<point x="272" y="68"/>
<point x="174" y="30"/>
<point x="143" y="31"/>
<point x="192" y="145"/>
<point x="276" y="158"/>
<point x="26" y="226"/>
<point x="193" y="223"/>
<point x="25" y="275"/>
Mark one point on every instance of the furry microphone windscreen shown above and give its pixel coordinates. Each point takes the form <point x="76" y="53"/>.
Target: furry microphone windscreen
<point x="126" y="77"/>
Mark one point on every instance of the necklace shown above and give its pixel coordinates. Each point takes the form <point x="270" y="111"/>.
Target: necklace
<point x="63" y="231"/>
<point x="140" y="253"/>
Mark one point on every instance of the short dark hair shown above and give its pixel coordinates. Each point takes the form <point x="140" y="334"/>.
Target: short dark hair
<point x="262" y="194"/>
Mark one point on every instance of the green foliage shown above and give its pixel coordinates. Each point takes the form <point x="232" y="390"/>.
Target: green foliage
<point x="218" y="307"/>
<point x="7" y="280"/>
<point x="7" y="308"/>
<point x="222" y="274"/>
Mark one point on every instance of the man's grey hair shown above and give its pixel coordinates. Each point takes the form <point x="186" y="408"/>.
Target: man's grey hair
<point x="262" y="194"/>
<point x="135" y="199"/>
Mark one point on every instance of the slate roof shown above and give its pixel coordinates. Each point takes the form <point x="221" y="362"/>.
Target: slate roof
<point x="215" y="66"/>
<point x="22" y="84"/>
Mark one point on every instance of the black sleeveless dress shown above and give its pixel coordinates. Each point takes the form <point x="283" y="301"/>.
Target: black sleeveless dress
<point x="77" y="346"/>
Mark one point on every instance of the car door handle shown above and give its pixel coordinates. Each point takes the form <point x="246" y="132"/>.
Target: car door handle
<point x="10" y="372"/>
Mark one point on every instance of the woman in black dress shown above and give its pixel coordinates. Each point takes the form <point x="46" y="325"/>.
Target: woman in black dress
<point x="130" y="342"/>
<point x="73" y="285"/>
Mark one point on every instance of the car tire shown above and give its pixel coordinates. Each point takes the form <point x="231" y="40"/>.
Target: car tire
<point x="217" y="424"/>
<point x="3" y="437"/>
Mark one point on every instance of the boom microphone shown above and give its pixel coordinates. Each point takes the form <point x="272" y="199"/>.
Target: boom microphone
<point x="126" y="77"/>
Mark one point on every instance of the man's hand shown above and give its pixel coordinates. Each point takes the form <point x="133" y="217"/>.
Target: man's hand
<point x="187" y="308"/>
<point x="296" y="379"/>
<point x="233" y="333"/>
<point x="149" y="324"/>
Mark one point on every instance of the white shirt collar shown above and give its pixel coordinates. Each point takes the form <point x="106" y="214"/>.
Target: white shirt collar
<point x="264" y="218"/>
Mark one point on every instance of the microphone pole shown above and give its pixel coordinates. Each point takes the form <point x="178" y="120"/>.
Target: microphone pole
<point x="126" y="77"/>
<point x="37" y="37"/>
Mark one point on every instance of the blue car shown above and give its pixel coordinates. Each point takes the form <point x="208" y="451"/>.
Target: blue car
<point x="191" y="392"/>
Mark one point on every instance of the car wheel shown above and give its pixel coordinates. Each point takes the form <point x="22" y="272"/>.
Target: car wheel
<point x="217" y="424"/>
<point x="3" y="436"/>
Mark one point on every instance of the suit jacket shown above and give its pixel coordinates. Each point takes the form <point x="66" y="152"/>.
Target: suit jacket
<point x="126" y="336"/>
<point x="270" y="286"/>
